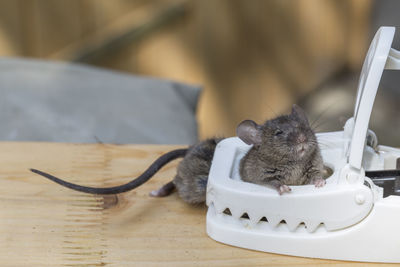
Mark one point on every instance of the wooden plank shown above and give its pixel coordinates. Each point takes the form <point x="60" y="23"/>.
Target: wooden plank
<point x="43" y="224"/>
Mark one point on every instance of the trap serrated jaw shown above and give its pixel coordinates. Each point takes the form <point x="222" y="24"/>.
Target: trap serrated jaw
<point x="343" y="220"/>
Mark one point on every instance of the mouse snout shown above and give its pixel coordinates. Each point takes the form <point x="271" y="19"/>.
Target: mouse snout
<point x="301" y="138"/>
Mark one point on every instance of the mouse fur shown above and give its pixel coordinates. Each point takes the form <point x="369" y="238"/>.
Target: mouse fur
<point x="285" y="152"/>
<point x="192" y="172"/>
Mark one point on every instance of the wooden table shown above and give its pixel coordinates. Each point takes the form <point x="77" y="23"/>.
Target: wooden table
<point x="43" y="224"/>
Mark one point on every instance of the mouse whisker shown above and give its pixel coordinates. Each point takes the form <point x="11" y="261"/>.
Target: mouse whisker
<point x="322" y="144"/>
<point x="315" y="128"/>
<point x="270" y="108"/>
<point x="320" y="115"/>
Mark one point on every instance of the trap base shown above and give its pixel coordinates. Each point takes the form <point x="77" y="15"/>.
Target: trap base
<point x="370" y="240"/>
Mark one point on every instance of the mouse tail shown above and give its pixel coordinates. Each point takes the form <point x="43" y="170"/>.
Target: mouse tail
<point x="144" y="177"/>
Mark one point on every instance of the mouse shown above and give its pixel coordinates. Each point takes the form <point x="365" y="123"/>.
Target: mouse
<point x="284" y="152"/>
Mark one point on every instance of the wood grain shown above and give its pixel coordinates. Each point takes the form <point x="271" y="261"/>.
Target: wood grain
<point x="43" y="224"/>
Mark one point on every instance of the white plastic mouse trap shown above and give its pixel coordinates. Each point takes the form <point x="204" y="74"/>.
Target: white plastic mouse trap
<point x="352" y="217"/>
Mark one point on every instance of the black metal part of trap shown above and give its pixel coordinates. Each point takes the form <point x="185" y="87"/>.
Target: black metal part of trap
<point x="389" y="180"/>
<point x="390" y="185"/>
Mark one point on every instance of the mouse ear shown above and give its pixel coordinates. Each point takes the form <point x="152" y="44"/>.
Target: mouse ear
<point x="299" y="112"/>
<point x="249" y="132"/>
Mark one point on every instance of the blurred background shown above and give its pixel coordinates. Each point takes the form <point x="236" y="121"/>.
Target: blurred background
<point x="253" y="59"/>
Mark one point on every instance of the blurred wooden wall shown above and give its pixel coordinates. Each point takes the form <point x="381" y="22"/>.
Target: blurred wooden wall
<point x="254" y="58"/>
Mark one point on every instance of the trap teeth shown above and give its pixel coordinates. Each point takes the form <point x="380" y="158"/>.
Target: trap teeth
<point x="219" y="208"/>
<point x="273" y="220"/>
<point x="292" y="224"/>
<point x="254" y="219"/>
<point x="311" y="226"/>
<point x="236" y="213"/>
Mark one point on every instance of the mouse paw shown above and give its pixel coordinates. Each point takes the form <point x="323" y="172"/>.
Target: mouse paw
<point x="319" y="182"/>
<point x="283" y="189"/>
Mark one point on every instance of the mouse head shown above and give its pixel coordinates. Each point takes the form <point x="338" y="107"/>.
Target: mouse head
<point x="287" y="136"/>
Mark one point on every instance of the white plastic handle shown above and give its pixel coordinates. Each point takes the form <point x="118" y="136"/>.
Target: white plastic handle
<point x="375" y="62"/>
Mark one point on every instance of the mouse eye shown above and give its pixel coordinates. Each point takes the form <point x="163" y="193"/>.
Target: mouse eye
<point x="278" y="132"/>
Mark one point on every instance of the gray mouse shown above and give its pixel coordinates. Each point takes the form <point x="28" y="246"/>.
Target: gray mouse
<point x="284" y="152"/>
